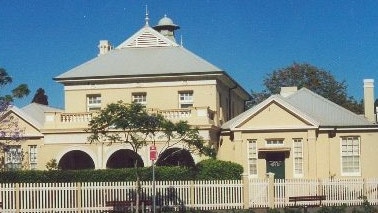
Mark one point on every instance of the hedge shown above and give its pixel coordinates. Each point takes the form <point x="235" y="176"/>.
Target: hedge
<point x="205" y="170"/>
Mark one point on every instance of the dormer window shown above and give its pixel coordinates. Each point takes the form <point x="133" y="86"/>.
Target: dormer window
<point x="185" y="99"/>
<point x="93" y="102"/>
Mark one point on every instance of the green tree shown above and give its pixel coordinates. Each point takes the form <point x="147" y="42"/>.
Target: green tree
<point x="19" y="92"/>
<point x="10" y="131"/>
<point x="132" y="124"/>
<point x="315" y="79"/>
<point x="40" y="97"/>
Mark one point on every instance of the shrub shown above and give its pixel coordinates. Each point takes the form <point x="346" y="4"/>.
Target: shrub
<point x="212" y="169"/>
<point x="332" y="209"/>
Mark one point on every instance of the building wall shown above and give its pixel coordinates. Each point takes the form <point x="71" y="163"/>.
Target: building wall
<point x="321" y="159"/>
<point x="162" y="95"/>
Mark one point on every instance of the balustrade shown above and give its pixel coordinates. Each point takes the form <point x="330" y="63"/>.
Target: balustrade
<point x="195" y="116"/>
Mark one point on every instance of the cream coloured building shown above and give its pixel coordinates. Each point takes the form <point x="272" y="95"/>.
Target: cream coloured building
<point x="299" y="134"/>
<point x="150" y="68"/>
<point x="295" y="134"/>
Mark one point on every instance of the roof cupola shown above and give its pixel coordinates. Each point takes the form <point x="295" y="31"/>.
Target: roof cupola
<point x="167" y="28"/>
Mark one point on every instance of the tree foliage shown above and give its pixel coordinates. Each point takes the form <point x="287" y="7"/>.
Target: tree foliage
<point x="9" y="128"/>
<point x="20" y="91"/>
<point x="315" y="79"/>
<point x="132" y="124"/>
<point x="40" y="97"/>
<point x="10" y="131"/>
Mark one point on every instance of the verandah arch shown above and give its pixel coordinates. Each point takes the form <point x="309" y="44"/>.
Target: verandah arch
<point x="75" y="160"/>
<point x="175" y="157"/>
<point x="124" y="158"/>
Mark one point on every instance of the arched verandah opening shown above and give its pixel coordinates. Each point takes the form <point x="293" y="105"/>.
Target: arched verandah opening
<point x="75" y="160"/>
<point x="175" y="157"/>
<point x="124" y="158"/>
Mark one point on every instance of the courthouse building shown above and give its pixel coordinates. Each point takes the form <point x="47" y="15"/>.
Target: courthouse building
<point x="295" y="134"/>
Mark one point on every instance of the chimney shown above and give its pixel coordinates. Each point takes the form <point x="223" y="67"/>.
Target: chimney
<point x="104" y="47"/>
<point x="369" y="99"/>
<point x="287" y="91"/>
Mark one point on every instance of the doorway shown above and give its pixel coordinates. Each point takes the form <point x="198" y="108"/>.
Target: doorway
<point x="275" y="163"/>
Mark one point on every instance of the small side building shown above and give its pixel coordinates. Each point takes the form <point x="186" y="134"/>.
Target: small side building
<point x="299" y="134"/>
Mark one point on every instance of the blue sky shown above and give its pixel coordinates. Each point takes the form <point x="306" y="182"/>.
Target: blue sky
<point x="41" y="39"/>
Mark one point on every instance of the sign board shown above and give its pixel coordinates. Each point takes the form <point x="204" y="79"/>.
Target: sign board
<point x="153" y="153"/>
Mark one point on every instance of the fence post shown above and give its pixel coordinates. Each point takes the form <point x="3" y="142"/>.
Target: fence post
<point x="78" y="199"/>
<point x="192" y="195"/>
<point x="271" y="195"/>
<point x="246" y="189"/>
<point x="320" y="187"/>
<point x="18" y="195"/>
<point x="364" y="188"/>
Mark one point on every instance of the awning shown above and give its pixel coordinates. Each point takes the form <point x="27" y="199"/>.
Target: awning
<point x="274" y="149"/>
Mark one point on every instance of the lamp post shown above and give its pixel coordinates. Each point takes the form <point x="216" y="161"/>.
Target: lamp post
<point x="153" y="158"/>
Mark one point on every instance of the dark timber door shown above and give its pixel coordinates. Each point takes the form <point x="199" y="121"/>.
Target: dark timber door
<point x="275" y="163"/>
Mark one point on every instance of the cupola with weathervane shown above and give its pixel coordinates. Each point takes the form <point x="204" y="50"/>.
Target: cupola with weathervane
<point x="167" y="28"/>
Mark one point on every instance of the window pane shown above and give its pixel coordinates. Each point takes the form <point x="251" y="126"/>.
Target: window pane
<point x="13" y="157"/>
<point x="140" y="98"/>
<point x="93" y="102"/>
<point x="252" y="157"/>
<point x="298" y="156"/>
<point x="275" y="142"/>
<point x="186" y="99"/>
<point x="33" y="156"/>
<point x="350" y="154"/>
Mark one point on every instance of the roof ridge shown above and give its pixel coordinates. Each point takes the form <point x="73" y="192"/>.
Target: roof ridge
<point x="42" y="107"/>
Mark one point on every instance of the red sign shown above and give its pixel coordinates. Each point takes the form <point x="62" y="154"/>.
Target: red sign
<point x="153" y="153"/>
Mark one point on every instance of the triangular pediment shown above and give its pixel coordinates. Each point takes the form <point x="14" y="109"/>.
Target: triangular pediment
<point x="275" y="116"/>
<point x="16" y="119"/>
<point x="147" y="37"/>
<point x="273" y="113"/>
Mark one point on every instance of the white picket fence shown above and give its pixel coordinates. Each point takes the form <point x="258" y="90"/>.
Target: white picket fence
<point x="91" y="197"/>
<point x="275" y="194"/>
<point x="204" y="195"/>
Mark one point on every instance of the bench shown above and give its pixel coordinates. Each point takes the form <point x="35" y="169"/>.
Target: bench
<point x="299" y="199"/>
<point x="125" y="205"/>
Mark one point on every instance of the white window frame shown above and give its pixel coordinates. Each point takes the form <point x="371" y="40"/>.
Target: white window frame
<point x="252" y="158"/>
<point x="274" y="142"/>
<point x="13" y="157"/>
<point x="350" y="147"/>
<point x="139" y="97"/>
<point x="33" y="156"/>
<point x="185" y="99"/>
<point x="298" y="157"/>
<point x="93" y="102"/>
